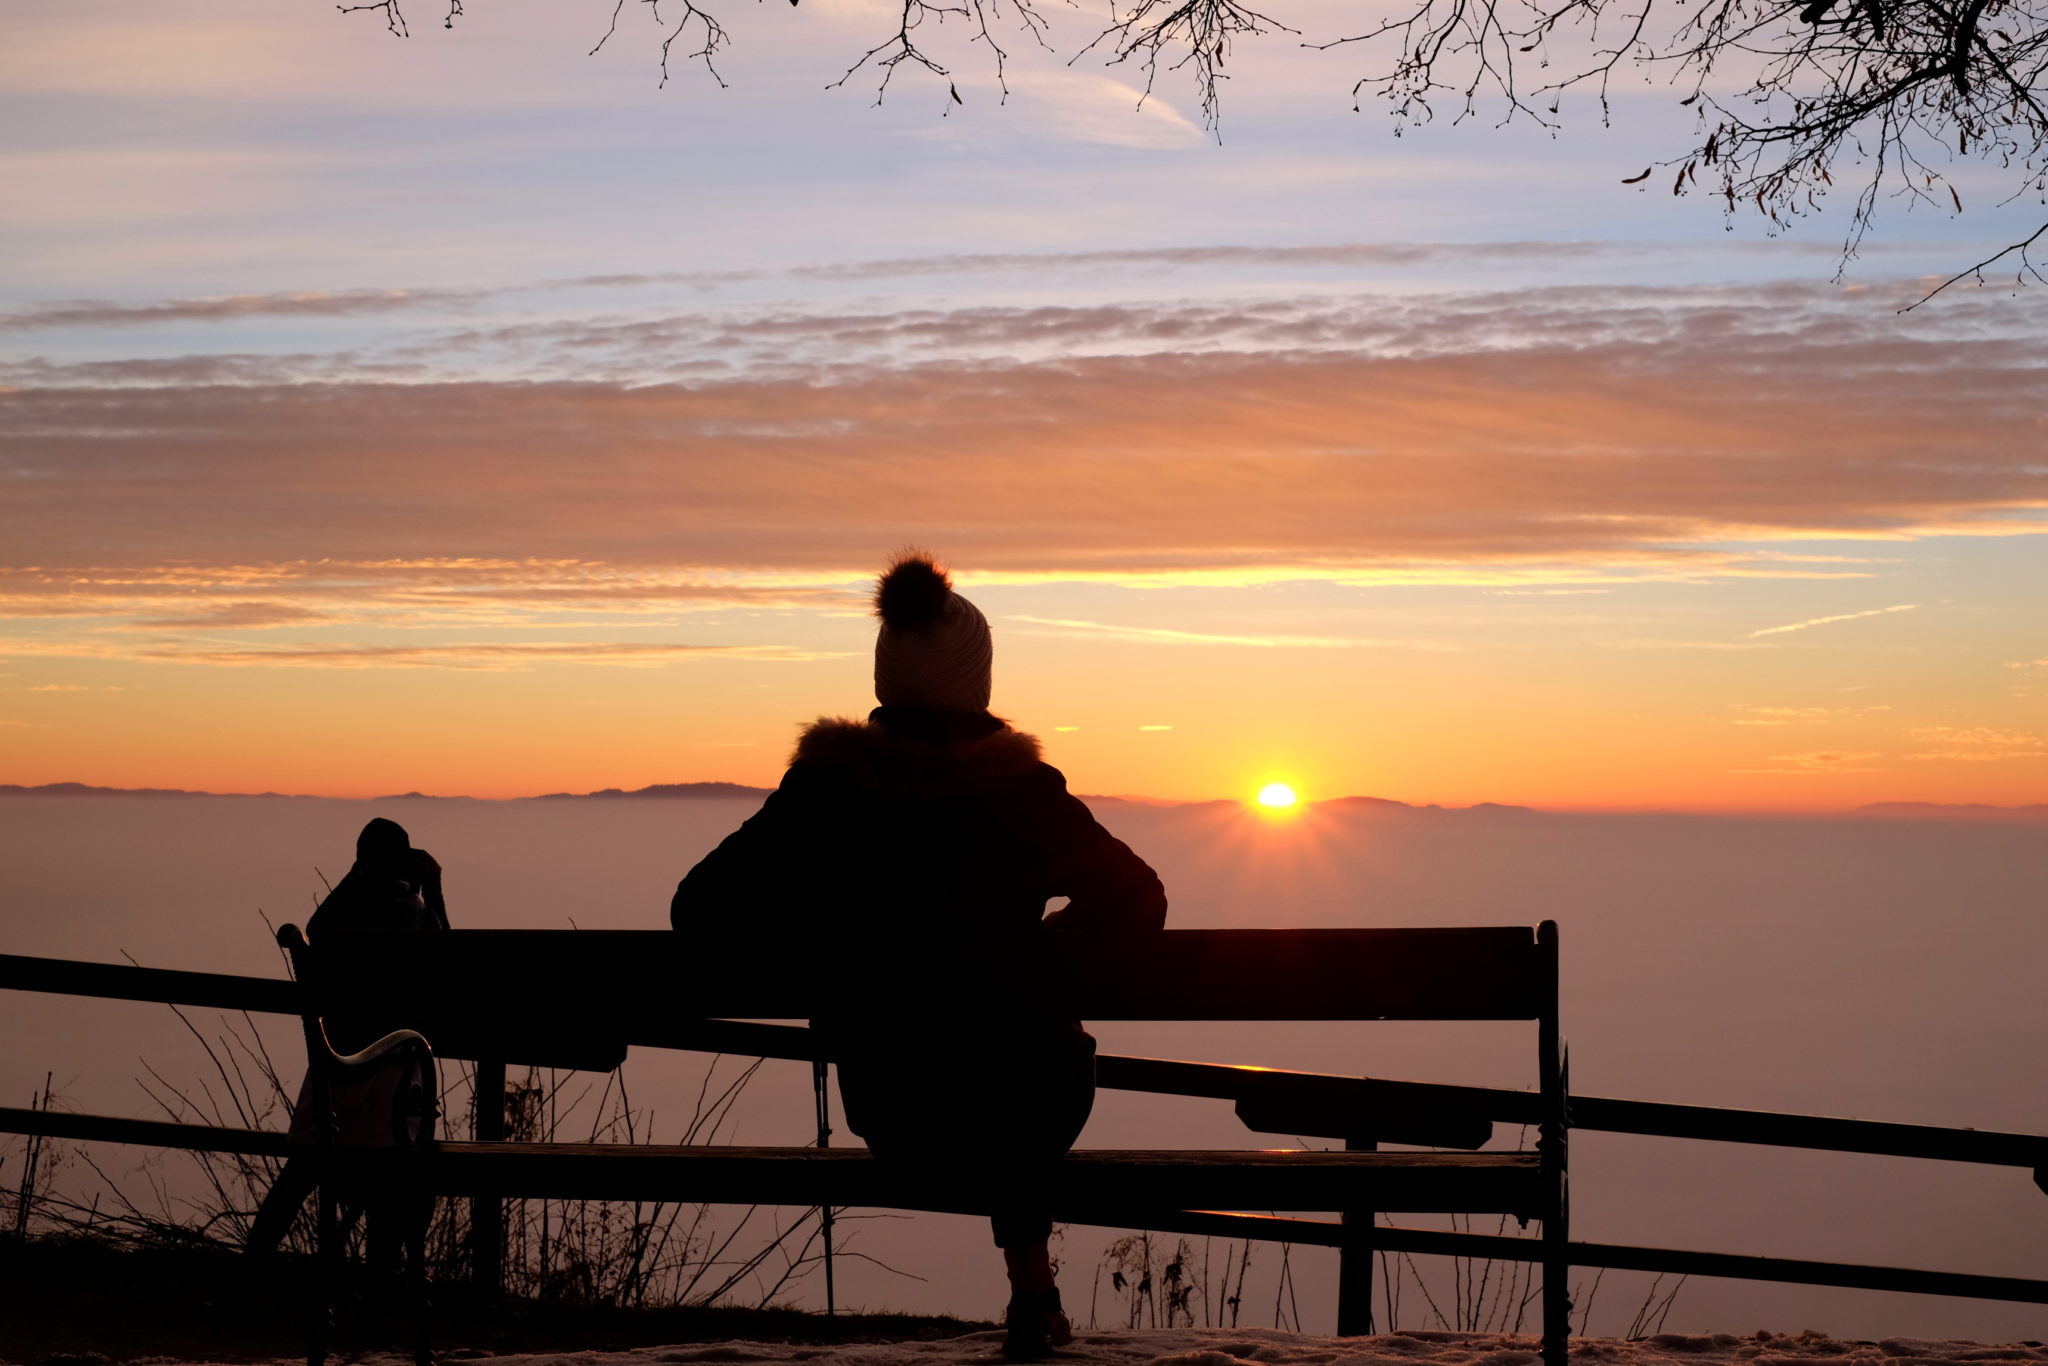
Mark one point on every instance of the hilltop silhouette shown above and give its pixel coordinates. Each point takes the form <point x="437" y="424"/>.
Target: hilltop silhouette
<point x="1390" y="806"/>
<point x="1952" y="811"/>
<point x="88" y="790"/>
<point x="663" y="790"/>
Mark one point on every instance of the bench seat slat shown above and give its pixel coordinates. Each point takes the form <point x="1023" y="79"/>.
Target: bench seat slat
<point x="1258" y="1179"/>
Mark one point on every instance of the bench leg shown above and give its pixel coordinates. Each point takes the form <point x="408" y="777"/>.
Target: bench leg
<point x="1354" y="1262"/>
<point x="821" y="1094"/>
<point x="420" y="1213"/>
<point x="1557" y="1297"/>
<point x="487" y="1212"/>
<point x="326" y="1266"/>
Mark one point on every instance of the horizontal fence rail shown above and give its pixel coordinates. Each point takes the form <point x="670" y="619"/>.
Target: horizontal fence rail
<point x="1157" y="1179"/>
<point x="1210" y="1223"/>
<point x="1308" y="1104"/>
<point x="149" y="1133"/>
<point x="1323" y="1106"/>
<point x="1614" y="1256"/>
<point x="124" y="982"/>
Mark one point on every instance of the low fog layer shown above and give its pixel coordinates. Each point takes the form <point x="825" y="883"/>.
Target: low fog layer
<point x="1881" y="969"/>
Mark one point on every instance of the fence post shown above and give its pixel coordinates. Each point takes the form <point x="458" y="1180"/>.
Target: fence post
<point x="1354" y="1261"/>
<point x="821" y="1091"/>
<point x="1552" y="1138"/>
<point x="487" y="1212"/>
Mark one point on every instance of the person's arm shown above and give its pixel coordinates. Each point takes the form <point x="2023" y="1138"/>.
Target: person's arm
<point x="340" y="909"/>
<point x="762" y="864"/>
<point x="427" y="873"/>
<point x="1110" y="891"/>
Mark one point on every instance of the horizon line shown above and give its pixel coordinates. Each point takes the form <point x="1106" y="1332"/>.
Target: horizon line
<point x="712" y="790"/>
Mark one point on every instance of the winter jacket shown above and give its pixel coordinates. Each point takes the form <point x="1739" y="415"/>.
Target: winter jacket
<point x="381" y="899"/>
<point x="376" y="898"/>
<point x="919" y="849"/>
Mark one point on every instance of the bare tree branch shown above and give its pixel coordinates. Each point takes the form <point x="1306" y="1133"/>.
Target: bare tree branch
<point x="901" y="46"/>
<point x="1785" y="93"/>
<point x="394" y="18"/>
<point x="1153" y="29"/>
<point x="2027" y="269"/>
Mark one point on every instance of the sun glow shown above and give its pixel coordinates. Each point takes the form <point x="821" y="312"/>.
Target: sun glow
<point x="1277" y="796"/>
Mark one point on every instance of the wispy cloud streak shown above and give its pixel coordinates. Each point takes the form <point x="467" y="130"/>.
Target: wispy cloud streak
<point x="1801" y="716"/>
<point x="231" y="307"/>
<point x="341" y="303"/>
<point x="1976" y="744"/>
<point x="478" y="655"/>
<point x="1158" y="635"/>
<point x="1818" y="763"/>
<point x="1812" y="622"/>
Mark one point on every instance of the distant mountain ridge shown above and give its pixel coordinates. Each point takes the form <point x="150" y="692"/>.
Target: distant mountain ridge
<point x="1388" y="804"/>
<point x="693" y="790"/>
<point x="1923" y="811"/>
<point x="685" y="791"/>
<point x="660" y="790"/>
<point x="1953" y="811"/>
<point x="88" y="790"/>
<point x="655" y="790"/>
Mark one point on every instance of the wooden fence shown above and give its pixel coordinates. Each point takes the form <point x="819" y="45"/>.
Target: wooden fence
<point x="1356" y="1110"/>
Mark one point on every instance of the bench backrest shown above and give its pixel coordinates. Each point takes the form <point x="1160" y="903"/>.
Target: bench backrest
<point x="577" y="997"/>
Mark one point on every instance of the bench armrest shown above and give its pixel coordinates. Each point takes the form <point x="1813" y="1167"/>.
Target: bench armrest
<point x="365" y="1058"/>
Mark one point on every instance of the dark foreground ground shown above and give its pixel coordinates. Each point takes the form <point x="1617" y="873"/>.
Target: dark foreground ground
<point x="77" y="1303"/>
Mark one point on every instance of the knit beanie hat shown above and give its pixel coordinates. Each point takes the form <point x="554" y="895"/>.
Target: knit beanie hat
<point x="934" y="648"/>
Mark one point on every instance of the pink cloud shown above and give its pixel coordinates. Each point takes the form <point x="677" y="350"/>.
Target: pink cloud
<point x="1123" y="464"/>
<point x="484" y="655"/>
<point x="1547" y="439"/>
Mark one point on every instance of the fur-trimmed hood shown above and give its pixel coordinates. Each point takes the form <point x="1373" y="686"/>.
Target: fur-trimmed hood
<point x="896" y="764"/>
<point x="913" y="823"/>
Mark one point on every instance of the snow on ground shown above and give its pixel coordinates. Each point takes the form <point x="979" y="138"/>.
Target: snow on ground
<point x="1270" y="1347"/>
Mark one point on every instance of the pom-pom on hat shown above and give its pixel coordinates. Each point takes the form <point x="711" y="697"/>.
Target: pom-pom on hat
<point x="934" y="648"/>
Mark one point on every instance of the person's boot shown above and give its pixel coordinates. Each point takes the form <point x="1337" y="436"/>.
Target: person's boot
<point x="1034" y="1324"/>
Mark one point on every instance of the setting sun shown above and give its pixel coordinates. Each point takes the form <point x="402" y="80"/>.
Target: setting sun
<point x="1276" y="795"/>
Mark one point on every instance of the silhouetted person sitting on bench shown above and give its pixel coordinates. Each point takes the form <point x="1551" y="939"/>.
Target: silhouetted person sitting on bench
<point x="391" y="886"/>
<point x="915" y="853"/>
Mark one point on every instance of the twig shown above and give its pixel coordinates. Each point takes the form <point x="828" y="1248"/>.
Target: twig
<point x="2028" y="270"/>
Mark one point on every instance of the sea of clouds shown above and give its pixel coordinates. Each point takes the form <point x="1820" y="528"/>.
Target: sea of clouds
<point x="1878" y="968"/>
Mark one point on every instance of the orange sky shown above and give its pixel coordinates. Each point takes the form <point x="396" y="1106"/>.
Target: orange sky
<point x="489" y="437"/>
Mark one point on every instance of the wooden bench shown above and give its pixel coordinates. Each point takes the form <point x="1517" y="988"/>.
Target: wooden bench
<point x="1359" y="1110"/>
<point x="581" y="998"/>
